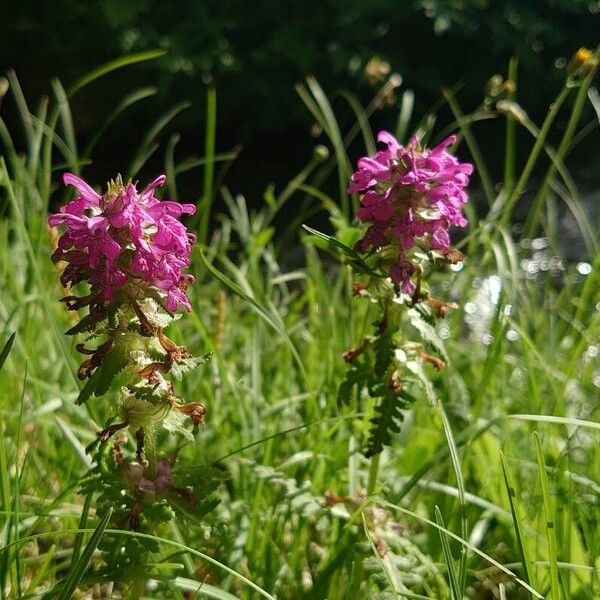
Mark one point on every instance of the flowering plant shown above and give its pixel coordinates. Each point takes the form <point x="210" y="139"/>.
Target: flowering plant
<point x="410" y="197"/>
<point x="131" y="250"/>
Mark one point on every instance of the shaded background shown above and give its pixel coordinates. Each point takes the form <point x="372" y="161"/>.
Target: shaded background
<point x="254" y="52"/>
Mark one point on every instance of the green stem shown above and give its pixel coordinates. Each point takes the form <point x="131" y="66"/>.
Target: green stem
<point x="373" y="472"/>
<point x="147" y="449"/>
<point x="533" y="157"/>
<point x="137" y="589"/>
<point x="463" y="123"/>
<point x="562" y="151"/>
<point x="203" y="215"/>
<point x="510" y="145"/>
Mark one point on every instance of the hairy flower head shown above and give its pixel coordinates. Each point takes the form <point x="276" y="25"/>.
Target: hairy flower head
<point x="124" y="240"/>
<point x="411" y="196"/>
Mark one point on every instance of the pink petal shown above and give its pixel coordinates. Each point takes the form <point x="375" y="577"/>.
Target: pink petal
<point x="82" y="187"/>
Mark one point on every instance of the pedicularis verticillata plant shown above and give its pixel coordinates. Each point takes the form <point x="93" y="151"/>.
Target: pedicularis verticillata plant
<point x="410" y="197"/>
<point x="131" y="250"/>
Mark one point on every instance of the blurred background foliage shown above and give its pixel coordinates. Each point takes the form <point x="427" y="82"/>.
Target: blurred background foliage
<point x="254" y="52"/>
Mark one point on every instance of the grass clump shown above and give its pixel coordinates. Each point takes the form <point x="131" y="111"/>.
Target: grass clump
<point x="489" y="490"/>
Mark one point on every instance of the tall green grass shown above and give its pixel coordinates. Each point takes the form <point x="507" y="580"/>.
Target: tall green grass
<point x="492" y="488"/>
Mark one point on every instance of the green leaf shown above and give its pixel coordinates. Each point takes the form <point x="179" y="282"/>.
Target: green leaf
<point x="100" y="382"/>
<point x="84" y="324"/>
<point x="76" y="573"/>
<point x="175" y="422"/>
<point x="179" y="368"/>
<point x="452" y="576"/>
<point x="428" y="333"/>
<point x="555" y="587"/>
<point x="6" y="349"/>
<point x="515" y="511"/>
<point x="357" y="375"/>
<point x="159" y="512"/>
<point x="113" y="65"/>
<point x="206" y="477"/>
<point x="346" y="234"/>
<point x="388" y="419"/>
<point x="333" y="245"/>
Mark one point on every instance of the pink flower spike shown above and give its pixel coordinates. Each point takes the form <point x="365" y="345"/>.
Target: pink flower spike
<point x="410" y="196"/>
<point x="128" y="238"/>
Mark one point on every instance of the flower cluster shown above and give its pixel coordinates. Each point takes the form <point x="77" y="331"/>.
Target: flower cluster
<point x="124" y="240"/>
<point x="132" y="250"/>
<point x="411" y="196"/>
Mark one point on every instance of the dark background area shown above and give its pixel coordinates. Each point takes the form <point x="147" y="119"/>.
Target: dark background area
<point x="254" y="53"/>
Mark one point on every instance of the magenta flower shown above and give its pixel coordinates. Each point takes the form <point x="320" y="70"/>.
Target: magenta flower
<point x="411" y="196"/>
<point x="124" y="240"/>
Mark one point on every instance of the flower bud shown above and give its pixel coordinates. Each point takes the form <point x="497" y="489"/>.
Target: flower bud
<point x="320" y="153"/>
<point x="493" y="87"/>
<point x="582" y="63"/>
<point x="132" y="474"/>
<point x="509" y="87"/>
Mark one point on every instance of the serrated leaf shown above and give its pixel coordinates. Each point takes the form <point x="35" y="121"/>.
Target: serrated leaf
<point x="84" y="324"/>
<point x="100" y="382"/>
<point x="356" y="376"/>
<point x="141" y="413"/>
<point x="428" y="333"/>
<point x="181" y="367"/>
<point x="156" y="314"/>
<point x="207" y="477"/>
<point x="384" y="349"/>
<point x="417" y="369"/>
<point x="159" y="512"/>
<point x="175" y="422"/>
<point x="388" y="419"/>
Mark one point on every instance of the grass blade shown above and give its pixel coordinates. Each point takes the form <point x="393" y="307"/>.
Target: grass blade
<point x="404" y="116"/>
<point x="362" y="120"/>
<point x="6" y="349"/>
<point x="453" y="578"/>
<point x="66" y="119"/>
<point x="202" y="589"/>
<point x="556" y="420"/>
<point x="555" y="589"/>
<point x="481" y="166"/>
<point x="474" y="549"/>
<point x="460" y="484"/>
<point x="271" y="319"/>
<point x="125" y="103"/>
<point x="113" y="65"/>
<point x="78" y="570"/>
<point x="148" y="145"/>
<point x="516" y="517"/>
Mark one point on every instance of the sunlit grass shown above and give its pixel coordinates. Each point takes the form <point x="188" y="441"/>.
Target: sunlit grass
<point x="492" y="486"/>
